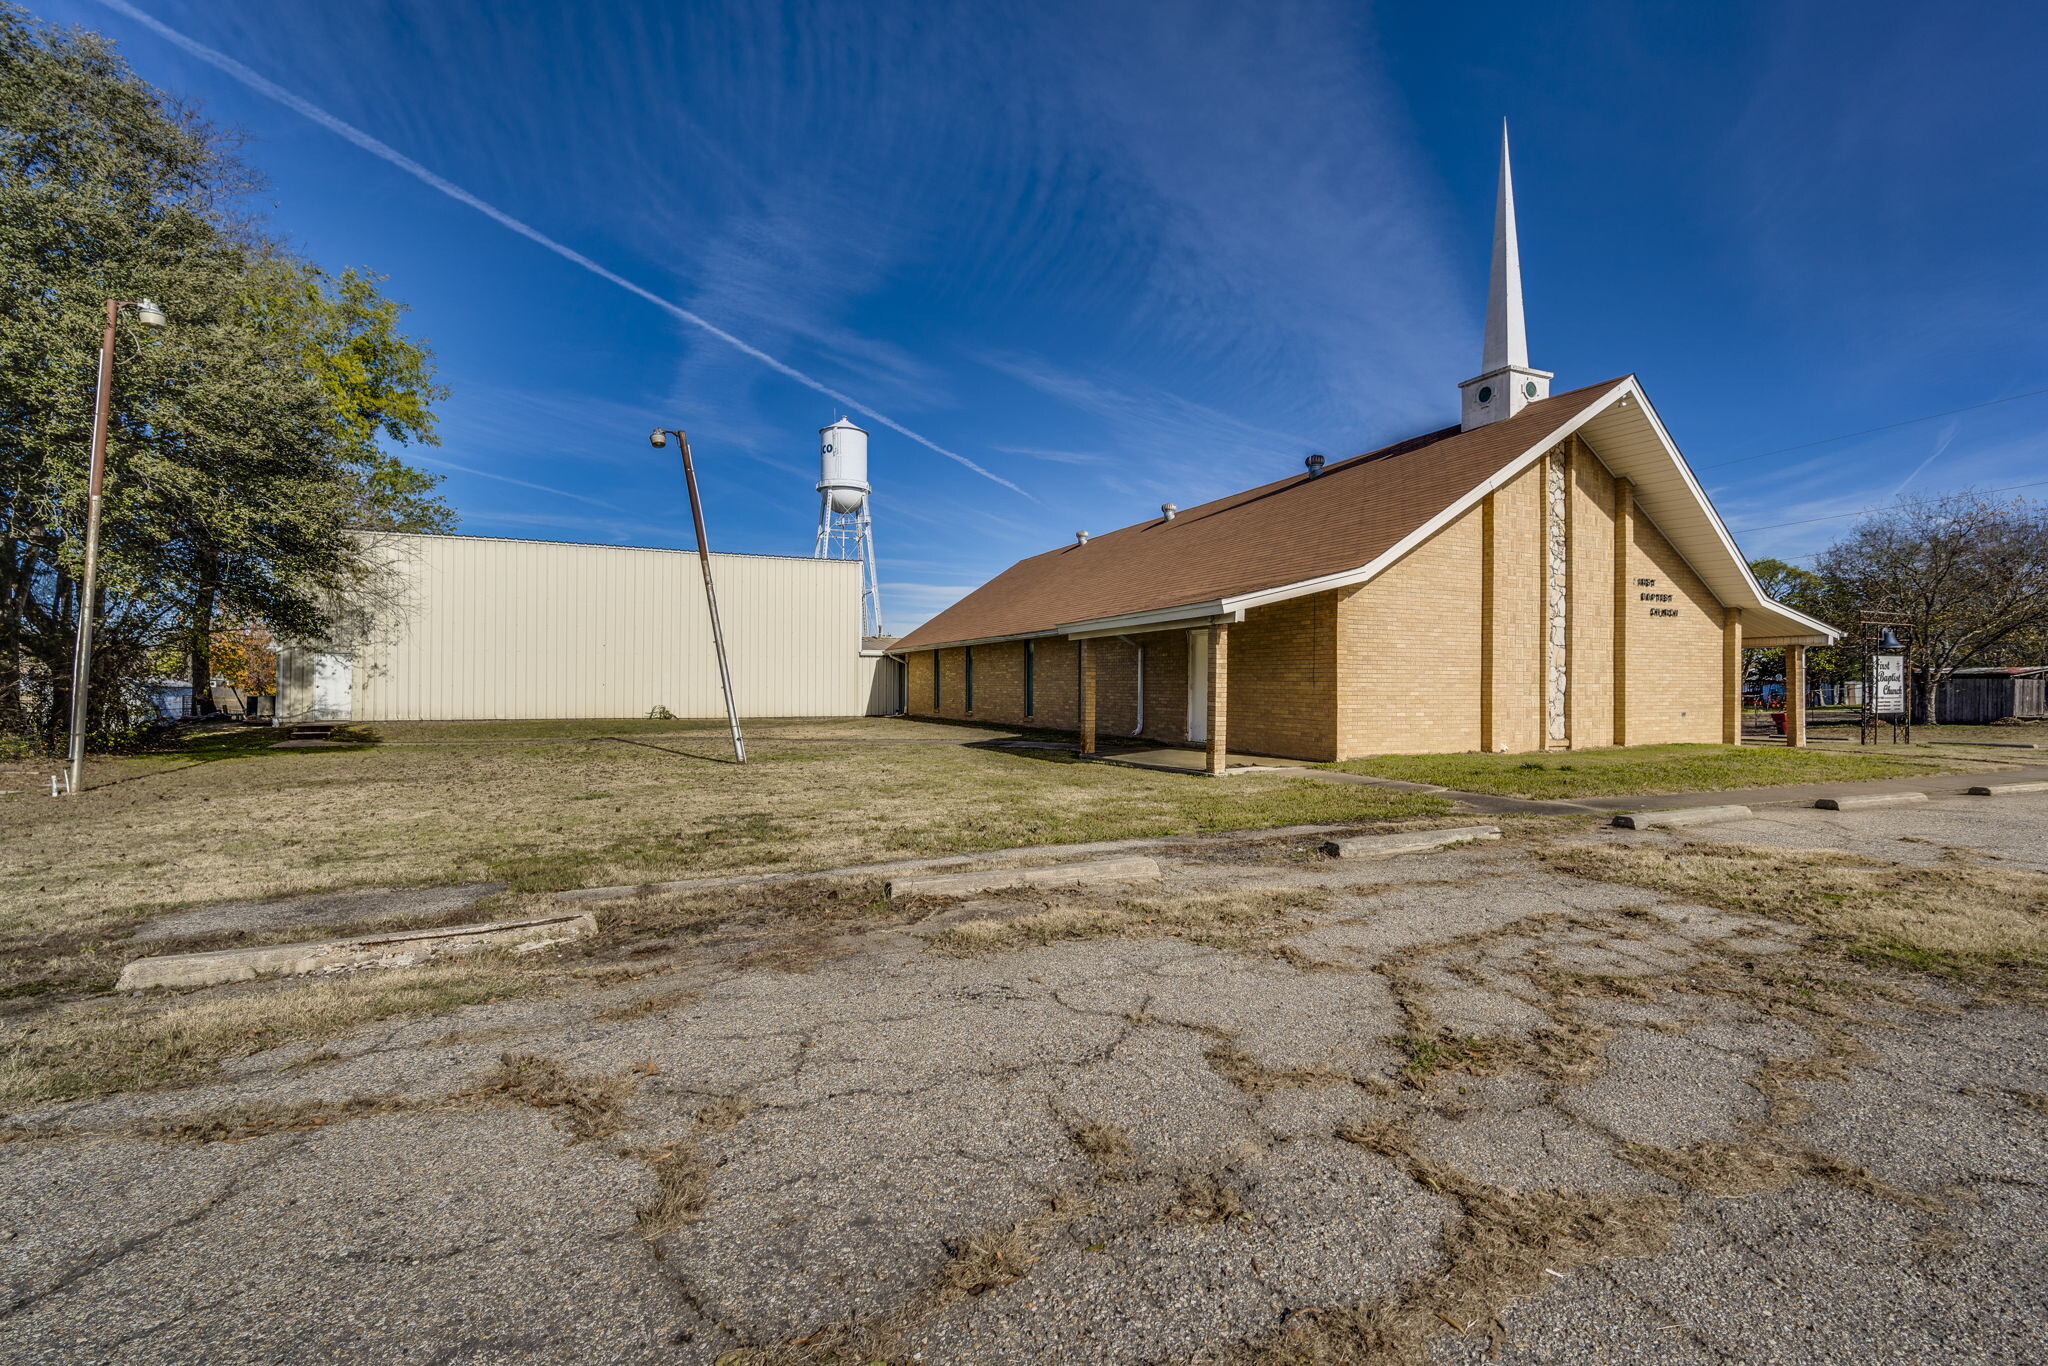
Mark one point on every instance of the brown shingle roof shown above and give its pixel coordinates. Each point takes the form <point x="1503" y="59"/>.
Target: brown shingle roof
<point x="1285" y="532"/>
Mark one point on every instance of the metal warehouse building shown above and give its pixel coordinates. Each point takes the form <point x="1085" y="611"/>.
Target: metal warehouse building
<point x="488" y="628"/>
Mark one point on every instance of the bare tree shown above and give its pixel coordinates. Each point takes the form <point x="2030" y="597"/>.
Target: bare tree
<point x="1969" y="573"/>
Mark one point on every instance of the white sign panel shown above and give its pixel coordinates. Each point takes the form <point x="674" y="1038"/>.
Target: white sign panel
<point x="1888" y="678"/>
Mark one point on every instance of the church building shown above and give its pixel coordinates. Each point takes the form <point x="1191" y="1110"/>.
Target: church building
<point x="1546" y="575"/>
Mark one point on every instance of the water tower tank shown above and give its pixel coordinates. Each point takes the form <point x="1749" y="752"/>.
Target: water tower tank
<point x="843" y="465"/>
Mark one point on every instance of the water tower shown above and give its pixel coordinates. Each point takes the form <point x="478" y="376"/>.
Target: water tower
<point x="844" y="529"/>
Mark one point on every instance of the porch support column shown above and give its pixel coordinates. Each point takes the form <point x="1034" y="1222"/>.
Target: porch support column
<point x="1624" y="606"/>
<point x="1085" y="656"/>
<point x="1219" y="698"/>
<point x="1795" y="696"/>
<point x="1731" y="676"/>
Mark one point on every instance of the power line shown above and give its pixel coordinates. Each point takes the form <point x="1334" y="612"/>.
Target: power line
<point x="1871" y="431"/>
<point x="1858" y="512"/>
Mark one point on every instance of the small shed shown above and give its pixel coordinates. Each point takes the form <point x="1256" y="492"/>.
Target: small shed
<point x="1979" y="696"/>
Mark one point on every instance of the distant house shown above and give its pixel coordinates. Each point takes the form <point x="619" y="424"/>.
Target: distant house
<point x="1980" y="696"/>
<point x="1548" y="574"/>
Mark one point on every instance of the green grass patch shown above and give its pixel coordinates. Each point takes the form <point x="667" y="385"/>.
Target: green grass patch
<point x="1644" y="769"/>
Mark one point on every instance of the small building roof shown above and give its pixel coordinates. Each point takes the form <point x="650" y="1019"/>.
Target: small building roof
<point x="1304" y="534"/>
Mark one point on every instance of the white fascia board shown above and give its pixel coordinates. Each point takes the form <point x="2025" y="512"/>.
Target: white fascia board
<point x="1720" y="528"/>
<point x="1366" y="573"/>
<point x="1820" y="631"/>
<point x="1159" y="619"/>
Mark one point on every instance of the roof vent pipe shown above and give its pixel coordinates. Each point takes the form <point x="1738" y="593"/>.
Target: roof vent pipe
<point x="1168" y="511"/>
<point x="1315" y="465"/>
<point x="1080" y="538"/>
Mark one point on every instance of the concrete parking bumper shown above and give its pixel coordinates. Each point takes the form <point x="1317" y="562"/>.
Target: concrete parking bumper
<point x="1003" y="879"/>
<point x="1408" y="842"/>
<point x="1685" y="815"/>
<point x="1864" y="801"/>
<point x="364" y="951"/>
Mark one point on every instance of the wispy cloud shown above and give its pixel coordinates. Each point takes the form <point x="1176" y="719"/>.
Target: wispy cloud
<point x="1058" y="457"/>
<point x="384" y="152"/>
<point x="438" y="463"/>
<point x="1941" y="445"/>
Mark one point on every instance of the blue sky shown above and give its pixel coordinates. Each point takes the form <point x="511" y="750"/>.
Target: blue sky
<point x="1120" y="254"/>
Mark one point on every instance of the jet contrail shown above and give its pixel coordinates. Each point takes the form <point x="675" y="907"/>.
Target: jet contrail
<point x="385" y="152"/>
<point x="523" y="483"/>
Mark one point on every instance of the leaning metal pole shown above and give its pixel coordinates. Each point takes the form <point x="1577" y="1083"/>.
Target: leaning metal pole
<point x="88" y="584"/>
<point x="732" y="711"/>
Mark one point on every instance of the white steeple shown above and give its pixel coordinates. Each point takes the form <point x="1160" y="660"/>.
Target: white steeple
<point x="1505" y="383"/>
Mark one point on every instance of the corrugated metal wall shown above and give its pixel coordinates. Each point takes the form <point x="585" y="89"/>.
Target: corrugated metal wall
<point x="488" y="629"/>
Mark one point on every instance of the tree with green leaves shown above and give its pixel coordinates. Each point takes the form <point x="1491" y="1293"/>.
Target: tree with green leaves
<point x="1968" y="573"/>
<point x="1805" y="591"/>
<point x="250" y="438"/>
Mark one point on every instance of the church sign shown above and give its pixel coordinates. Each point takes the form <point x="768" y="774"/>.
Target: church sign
<point x="1653" y="596"/>
<point x="1888" y="684"/>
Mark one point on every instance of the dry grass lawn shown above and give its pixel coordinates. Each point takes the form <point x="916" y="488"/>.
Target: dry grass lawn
<point x="1958" y="916"/>
<point x="89" y="1049"/>
<point x="547" y="805"/>
<point x="1225" y="920"/>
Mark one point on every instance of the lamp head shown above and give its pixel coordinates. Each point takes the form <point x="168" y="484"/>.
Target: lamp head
<point x="148" y="314"/>
<point x="657" y="438"/>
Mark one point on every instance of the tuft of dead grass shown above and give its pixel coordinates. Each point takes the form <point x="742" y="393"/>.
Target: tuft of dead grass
<point x="1445" y="1051"/>
<point x="682" y="1191"/>
<point x="1977" y="922"/>
<point x="1738" y="1169"/>
<point x="1717" y="1168"/>
<point x="589" y="1107"/>
<point x="1238" y="919"/>
<point x="1207" y="1199"/>
<point x="1106" y="1146"/>
<point x="724" y="1113"/>
<point x="1496" y="1251"/>
<point x="1253" y="1077"/>
<point x="975" y="1265"/>
<point x="988" y="1261"/>
<point x="659" y="1003"/>
<point x="90" y="1049"/>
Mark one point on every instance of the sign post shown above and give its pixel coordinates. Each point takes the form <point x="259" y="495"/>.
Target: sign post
<point x="1887" y="677"/>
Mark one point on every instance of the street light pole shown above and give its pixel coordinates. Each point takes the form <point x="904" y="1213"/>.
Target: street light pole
<point x="658" y="438"/>
<point x="150" y="315"/>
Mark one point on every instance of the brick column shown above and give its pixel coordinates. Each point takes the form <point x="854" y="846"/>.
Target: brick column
<point x="1084" y="657"/>
<point x="1731" y="676"/>
<point x="1795" y="696"/>
<point x="1624" y="604"/>
<point x="1489" y="624"/>
<point x="1219" y="698"/>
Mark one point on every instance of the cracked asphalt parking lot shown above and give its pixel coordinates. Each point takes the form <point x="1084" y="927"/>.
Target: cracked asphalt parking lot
<point x="1439" y="1108"/>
